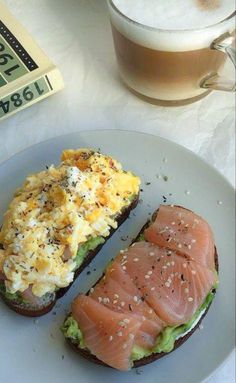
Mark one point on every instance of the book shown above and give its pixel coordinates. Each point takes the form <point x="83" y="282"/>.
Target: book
<point x="27" y="75"/>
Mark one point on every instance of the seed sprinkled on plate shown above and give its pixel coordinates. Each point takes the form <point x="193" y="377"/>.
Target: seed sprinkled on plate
<point x="193" y="240"/>
<point x="193" y="272"/>
<point x="124" y="267"/>
<point x="116" y="296"/>
<point x="147" y="276"/>
<point x="150" y="272"/>
<point x="135" y="298"/>
<point x="185" y="265"/>
<point x="189" y="247"/>
<point x="122" y="304"/>
<point x="120" y="333"/>
<point x="173" y="223"/>
<point x="179" y="246"/>
<point x="131" y="336"/>
<point x="136" y="259"/>
<point x="126" y="320"/>
<point x="151" y="253"/>
<point x="186" y="290"/>
<point x="110" y="338"/>
<point x="152" y="288"/>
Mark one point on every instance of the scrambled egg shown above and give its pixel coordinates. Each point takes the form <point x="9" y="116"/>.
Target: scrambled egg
<point x="57" y="210"/>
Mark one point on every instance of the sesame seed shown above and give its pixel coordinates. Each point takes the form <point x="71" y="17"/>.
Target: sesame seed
<point x="190" y="299"/>
<point x="179" y="245"/>
<point x="120" y="333"/>
<point x="151" y="253"/>
<point x="122" y="251"/>
<point x="91" y="290"/>
<point x="185" y="265"/>
<point x="189" y="247"/>
<point x="193" y="272"/>
<point x="121" y="323"/>
<point x="186" y="290"/>
<point x="124" y="257"/>
<point x="168" y="264"/>
<point x="143" y="318"/>
<point x="182" y="221"/>
<point x="131" y="336"/>
<point x="124" y="267"/>
<point x="126" y="320"/>
<point x="99" y="299"/>
<point x="115" y="301"/>
<point x="136" y="259"/>
<point x="147" y="276"/>
<point x="150" y="272"/>
<point x="196" y="220"/>
<point x="135" y="298"/>
<point x="173" y="263"/>
<point x="173" y="223"/>
<point x="110" y="338"/>
<point x="116" y="296"/>
<point x="153" y="288"/>
<point x="122" y="304"/>
<point x="164" y="267"/>
<point x="193" y="240"/>
<point x="167" y="284"/>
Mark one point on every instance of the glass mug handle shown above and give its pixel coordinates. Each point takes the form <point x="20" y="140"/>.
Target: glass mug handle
<point x="224" y="44"/>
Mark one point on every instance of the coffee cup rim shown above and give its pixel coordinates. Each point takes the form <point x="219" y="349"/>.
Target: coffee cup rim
<point x="147" y="27"/>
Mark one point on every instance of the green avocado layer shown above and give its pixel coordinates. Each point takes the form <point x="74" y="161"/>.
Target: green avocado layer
<point x="88" y="246"/>
<point x="164" y="343"/>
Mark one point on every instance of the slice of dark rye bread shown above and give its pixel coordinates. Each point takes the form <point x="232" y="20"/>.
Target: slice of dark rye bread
<point x="30" y="310"/>
<point x="155" y="356"/>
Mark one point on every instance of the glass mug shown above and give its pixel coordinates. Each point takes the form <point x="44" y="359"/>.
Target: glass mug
<point x="174" y="67"/>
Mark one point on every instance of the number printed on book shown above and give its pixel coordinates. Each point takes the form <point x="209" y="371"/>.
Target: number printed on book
<point x="25" y="95"/>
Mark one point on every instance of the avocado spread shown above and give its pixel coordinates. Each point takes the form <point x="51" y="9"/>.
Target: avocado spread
<point x="165" y="340"/>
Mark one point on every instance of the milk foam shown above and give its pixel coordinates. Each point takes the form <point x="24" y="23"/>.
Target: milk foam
<point x="181" y="24"/>
<point x="176" y="14"/>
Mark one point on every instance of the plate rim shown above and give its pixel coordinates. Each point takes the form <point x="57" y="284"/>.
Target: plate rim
<point x="135" y="132"/>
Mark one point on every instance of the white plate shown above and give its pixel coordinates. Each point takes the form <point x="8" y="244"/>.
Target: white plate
<point x="34" y="350"/>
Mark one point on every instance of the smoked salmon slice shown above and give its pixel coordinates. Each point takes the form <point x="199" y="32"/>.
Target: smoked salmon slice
<point x="107" y="334"/>
<point x="173" y="286"/>
<point x="184" y="231"/>
<point x="118" y="292"/>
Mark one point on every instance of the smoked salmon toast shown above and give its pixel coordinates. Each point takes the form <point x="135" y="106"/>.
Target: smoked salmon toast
<point x="151" y="297"/>
<point x="57" y="222"/>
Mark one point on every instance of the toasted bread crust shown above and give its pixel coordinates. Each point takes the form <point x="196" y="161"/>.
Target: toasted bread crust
<point x="155" y="356"/>
<point x="37" y="312"/>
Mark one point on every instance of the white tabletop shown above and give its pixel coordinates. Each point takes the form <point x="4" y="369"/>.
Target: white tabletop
<point x="76" y="35"/>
